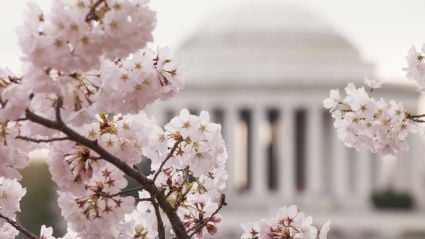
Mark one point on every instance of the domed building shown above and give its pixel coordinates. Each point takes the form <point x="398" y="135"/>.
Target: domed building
<point x="262" y="70"/>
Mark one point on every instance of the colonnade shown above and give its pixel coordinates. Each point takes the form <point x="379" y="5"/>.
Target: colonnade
<point x="311" y="164"/>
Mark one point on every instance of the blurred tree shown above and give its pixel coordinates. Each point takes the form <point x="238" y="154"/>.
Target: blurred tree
<point x="39" y="205"/>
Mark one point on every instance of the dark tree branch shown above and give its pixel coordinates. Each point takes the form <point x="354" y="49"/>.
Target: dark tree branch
<point x="19" y="227"/>
<point x="20" y="119"/>
<point x="175" y="146"/>
<point x="143" y="199"/>
<point x="127" y="191"/>
<point x="148" y="184"/>
<point x="160" y="223"/>
<point x="40" y="140"/>
<point x="416" y="116"/>
<point x="417" y="120"/>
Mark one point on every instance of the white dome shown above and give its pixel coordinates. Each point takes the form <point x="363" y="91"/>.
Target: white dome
<point x="268" y="44"/>
<point x="258" y="17"/>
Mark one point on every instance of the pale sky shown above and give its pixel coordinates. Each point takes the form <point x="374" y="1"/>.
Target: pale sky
<point x="382" y="30"/>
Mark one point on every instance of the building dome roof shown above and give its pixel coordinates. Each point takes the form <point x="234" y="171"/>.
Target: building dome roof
<point x="268" y="43"/>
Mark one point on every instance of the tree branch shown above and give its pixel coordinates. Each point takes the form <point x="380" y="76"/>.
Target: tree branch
<point x="160" y="223"/>
<point x="176" y="144"/>
<point x="148" y="184"/>
<point x="417" y="120"/>
<point x="20" y="119"/>
<point x="40" y="140"/>
<point x="143" y="199"/>
<point x="199" y="227"/>
<point x="19" y="227"/>
<point x="416" y="116"/>
<point x="127" y="191"/>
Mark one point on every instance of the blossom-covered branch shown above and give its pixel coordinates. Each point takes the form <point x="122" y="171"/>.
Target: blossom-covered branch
<point x="93" y="145"/>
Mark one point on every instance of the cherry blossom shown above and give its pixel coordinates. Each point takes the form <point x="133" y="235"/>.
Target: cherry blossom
<point x="415" y="69"/>
<point x="46" y="232"/>
<point x="139" y="223"/>
<point x="363" y="122"/>
<point x="13" y="152"/>
<point x="288" y="223"/>
<point x="97" y="211"/>
<point x="7" y="230"/>
<point x="11" y="193"/>
<point x="372" y="84"/>
<point x="131" y="84"/>
<point x="198" y="214"/>
<point x="76" y="33"/>
<point x="202" y="147"/>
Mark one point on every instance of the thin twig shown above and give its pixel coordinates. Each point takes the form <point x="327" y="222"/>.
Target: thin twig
<point x="175" y="146"/>
<point x="127" y="191"/>
<point x="58" y="106"/>
<point x="418" y="120"/>
<point x="160" y="223"/>
<point x="40" y="140"/>
<point x="143" y="199"/>
<point x="19" y="227"/>
<point x="416" y="116"/>
<point x="199" y="227"/>
<point x="20" y="119"/>
<point x="92" y="14"/>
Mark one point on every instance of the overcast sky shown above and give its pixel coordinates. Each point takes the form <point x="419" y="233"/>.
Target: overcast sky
<point x="382" y="30"/>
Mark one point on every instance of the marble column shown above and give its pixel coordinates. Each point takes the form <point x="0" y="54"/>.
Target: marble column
<point x="340" y="169"/>
<point x="314" y="157"/>
<point x="287" y="153"/>
<point x="363" y="183"/>
<point x="417" y="167"/>
<point x="259" y="156"/>
<point x="230" y="121"/>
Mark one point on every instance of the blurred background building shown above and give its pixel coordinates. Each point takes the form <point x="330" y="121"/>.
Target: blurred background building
<point x="263" y="69"/>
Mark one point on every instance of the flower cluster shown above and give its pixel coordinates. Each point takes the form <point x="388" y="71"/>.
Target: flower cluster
<point x="13" y="152"/>
<point x="139" y="223"/>
<point x="95" y="212"/>
<point x="122" y="86"/>
<point x="188" y="163"/>
<point x="91" y="53"/>
<point x="194" y="175"/>
<point x="90" y="186"/>
<point x="288" y="223"/>
<point x="200" y="144"/>
<point x="13" y="97"/>
<point x="364" y="122"/>
<point x="76" y="33"/>
<point x="73" y="165"/>
<point x="200" y="215"/>
<point x="11" y="193"/>
<point x="129" y="85"/>
<point x="415" y="69"/>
